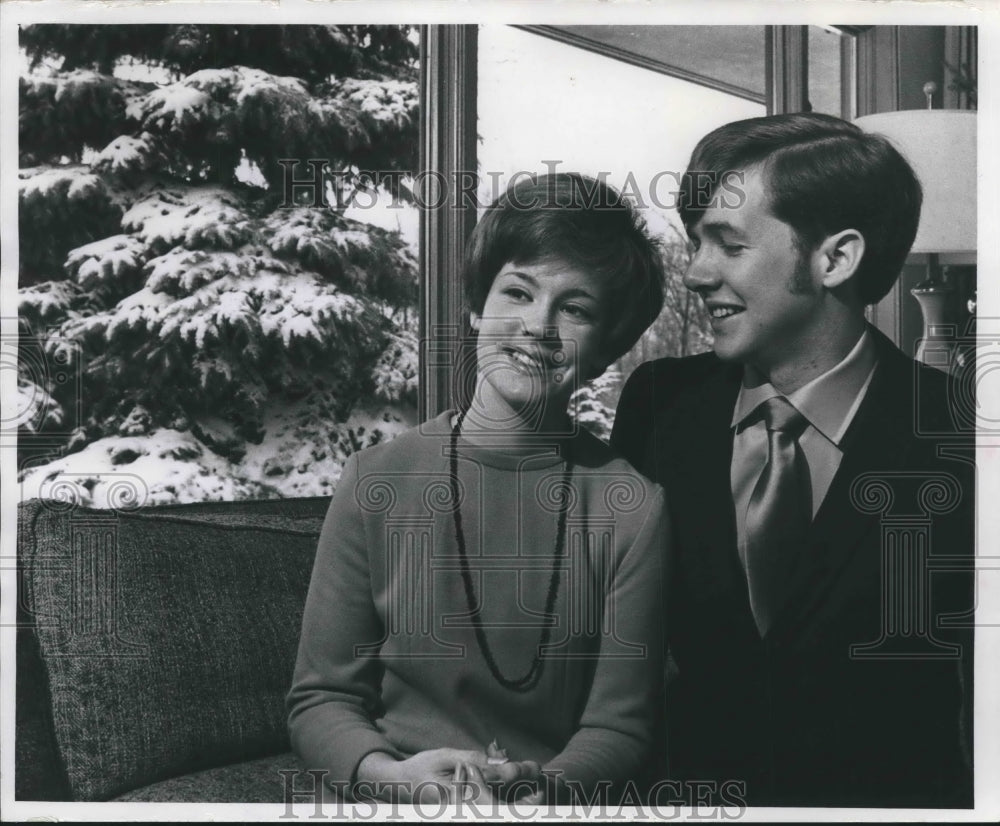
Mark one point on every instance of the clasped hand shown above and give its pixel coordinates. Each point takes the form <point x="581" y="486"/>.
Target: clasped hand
<point x="449" y="775"/>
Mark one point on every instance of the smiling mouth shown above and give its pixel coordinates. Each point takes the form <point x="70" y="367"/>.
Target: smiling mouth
<point x="720" y="312"/>
<point x="522" y="359"/>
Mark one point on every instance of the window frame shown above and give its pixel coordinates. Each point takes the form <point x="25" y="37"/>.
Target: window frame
<point x="448" y="133"/>
<point x="573" y="38"/>
<point x="448" y="120"/>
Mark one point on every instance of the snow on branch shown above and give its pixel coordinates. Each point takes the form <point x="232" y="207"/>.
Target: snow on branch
<point x="211" y="315"/>
<point x="196" y="217"/>
<point x="387" y="102"/>
<point x="181" y="272"/>
<point x="173" y="106"/>
<point x="143" y="310"/>
<point x="35" y="408"/>
<point x="75" y="182"/>
<point x="361" y="257"/>
<point x="60" y="208"/>
<point x="49" y="302"/>
<point x="303" y="307"/>
<point x="108" y="260"/>
<point x="397" y="371"/>
<point x="128" y="156"/>
<point x="61" y="115"/>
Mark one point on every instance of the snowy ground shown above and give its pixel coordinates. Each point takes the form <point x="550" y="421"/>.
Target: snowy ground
<point x="173" y="467"/>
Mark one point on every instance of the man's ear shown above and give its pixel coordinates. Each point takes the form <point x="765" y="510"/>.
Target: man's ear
<point x="474" y="321"/>
<point x="839" y="257"/>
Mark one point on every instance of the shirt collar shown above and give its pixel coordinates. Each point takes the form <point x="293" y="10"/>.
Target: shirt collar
<point x="829" y="401"/>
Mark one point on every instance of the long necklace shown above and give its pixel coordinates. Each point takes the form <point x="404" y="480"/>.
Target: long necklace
<point x="534" y="673"/>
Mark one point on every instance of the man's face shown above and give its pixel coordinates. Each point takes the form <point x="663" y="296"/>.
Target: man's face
<point x="765" y="303"/>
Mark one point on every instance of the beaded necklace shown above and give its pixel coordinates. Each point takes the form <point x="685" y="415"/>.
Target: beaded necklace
<point x="534" y="672"/>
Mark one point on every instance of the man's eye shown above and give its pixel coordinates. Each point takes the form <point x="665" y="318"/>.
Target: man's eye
<point x="732" y="249"/>
<point x="516" y="293"/>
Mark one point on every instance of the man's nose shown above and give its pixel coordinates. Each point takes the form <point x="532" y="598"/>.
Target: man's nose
<point x="701" y="274"/>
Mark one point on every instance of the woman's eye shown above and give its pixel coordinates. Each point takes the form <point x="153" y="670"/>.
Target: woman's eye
<point x="578" y="312"/>
<point x="732" y="249"/>
<point x="516" y="293"/>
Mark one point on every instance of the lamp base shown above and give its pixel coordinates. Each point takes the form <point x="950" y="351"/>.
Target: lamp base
<point x="937" y="344"/>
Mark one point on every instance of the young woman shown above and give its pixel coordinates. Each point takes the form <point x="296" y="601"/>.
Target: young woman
<point x="494" y="576"/>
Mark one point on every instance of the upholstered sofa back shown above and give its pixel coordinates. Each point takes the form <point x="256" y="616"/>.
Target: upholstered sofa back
<point x="156" y="642"/>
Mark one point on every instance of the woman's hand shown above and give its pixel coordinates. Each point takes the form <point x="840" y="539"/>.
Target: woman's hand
<point x="428" y="776"/>
<point x="446" y="774"/>
<point x="513" y="780"/>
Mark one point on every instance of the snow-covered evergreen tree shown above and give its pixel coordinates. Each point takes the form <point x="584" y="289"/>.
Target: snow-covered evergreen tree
<point x="589" y="405"/>
<point x="230" y="342"/>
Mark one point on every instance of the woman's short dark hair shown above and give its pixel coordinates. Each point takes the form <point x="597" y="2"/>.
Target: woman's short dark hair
<point x="587" y="224"/>
<point x="824" y="175"/>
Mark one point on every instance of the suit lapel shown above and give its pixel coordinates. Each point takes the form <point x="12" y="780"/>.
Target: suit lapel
<point x="877" y="440"/>
<point x="696" y="469"/>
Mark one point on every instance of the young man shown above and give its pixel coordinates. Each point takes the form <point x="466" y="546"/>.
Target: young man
<point x="785" y="455"/>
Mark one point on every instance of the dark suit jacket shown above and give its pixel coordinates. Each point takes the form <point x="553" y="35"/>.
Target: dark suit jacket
<point x="857" y="696"/>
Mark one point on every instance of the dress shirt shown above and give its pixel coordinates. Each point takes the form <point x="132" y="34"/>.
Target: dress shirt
<point x="829" y="403"/>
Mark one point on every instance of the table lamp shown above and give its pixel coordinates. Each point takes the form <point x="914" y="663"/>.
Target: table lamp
<point x="940" y="145"/>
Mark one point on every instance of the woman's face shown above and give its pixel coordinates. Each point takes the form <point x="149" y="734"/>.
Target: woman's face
<point x="541" y="334"/>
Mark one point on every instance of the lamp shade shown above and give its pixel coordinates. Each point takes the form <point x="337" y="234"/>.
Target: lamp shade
<point x="940" y="145"/>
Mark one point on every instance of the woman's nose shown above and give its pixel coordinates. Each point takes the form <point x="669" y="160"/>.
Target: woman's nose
<point x="538" y="321"/>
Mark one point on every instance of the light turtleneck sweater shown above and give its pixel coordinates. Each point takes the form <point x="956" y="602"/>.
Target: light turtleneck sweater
<point x="388" y="660"/>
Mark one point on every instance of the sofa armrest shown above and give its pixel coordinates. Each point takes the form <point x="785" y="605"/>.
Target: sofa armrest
<point x="164" y="640"/>
<point x="39" y="773"/>
<point x="38" y="770"/>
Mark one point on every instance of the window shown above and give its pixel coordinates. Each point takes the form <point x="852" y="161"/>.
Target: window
<point x="627" y="105"/>
<point x="218" y="274"/>
<point x="831" y="78"/>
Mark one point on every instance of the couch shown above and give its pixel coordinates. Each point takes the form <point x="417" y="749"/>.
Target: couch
<point x="155" y="646"/>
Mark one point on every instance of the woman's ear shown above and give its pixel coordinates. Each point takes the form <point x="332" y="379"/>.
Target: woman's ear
<point x="474" y="321"/>
<point x="840" y="256"/>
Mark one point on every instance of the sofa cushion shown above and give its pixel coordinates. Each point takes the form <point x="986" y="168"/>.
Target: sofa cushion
<point x="168" y="634"/>
<point x="253" y="781"/>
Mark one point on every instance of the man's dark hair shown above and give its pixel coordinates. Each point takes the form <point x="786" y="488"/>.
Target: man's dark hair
<point x="584" y="222"/>
<point x="824" y="175"/>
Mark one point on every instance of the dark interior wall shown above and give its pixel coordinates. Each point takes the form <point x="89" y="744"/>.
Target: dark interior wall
<point x="921" y="58"/>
